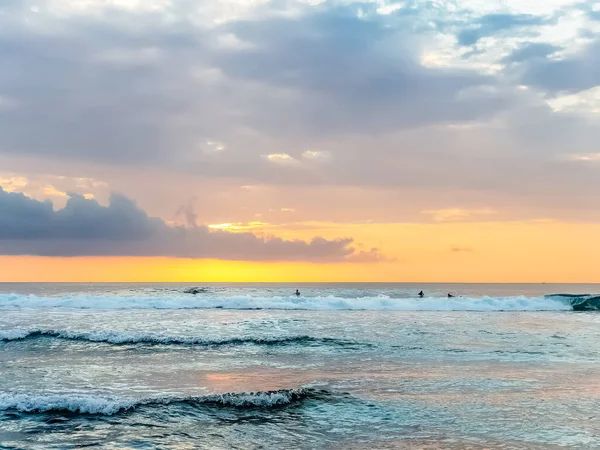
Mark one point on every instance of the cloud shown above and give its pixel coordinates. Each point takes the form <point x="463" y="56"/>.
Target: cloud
<point x="280" y="158"/>
<point x="132" y="92"/>
<point x="589" y="157"/>
<point x="214" y="146"/>
<point x="146" y="91"/>
<point x="531" y="51"/>
<point x="369" y="256"/>
<point x="52" y="186"/>
<point x="188" y="212"/>
<point x="492" y="24"/>
<point x="582" y="103"/>
<point x="454" y="214"/>
<point x="13" y="183"/>
<point x="592" y="9"/>
<point x="86" y="228"/>
<point x="570" y="74"/>
<point x="316" y="155"/>
<point x="347" y="73"/>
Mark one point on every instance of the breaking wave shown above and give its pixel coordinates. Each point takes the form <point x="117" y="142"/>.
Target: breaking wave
<point x="242" y="302"/>
<point x="124" y="338"/>
<point x="90" y="404"/>
<point x="579" y="302"/>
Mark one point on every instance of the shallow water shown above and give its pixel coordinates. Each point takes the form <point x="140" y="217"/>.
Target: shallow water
<point x="343" y="366"/>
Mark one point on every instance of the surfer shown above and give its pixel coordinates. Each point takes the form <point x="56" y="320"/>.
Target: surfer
<point x="450" y="296"/>
<point x="297" y="293"/>
<point x="421" y="294"/>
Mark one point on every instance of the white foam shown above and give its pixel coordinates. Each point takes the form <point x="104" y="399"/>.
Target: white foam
<point x="264" y="399"/>
<point x="517" y="303"/>
<point x="133" y="337"/>
<point x="91" y="404"/>
<point x="113" y="337"/>
<point x="75" y="403"/>
<point x="14" y="335"/>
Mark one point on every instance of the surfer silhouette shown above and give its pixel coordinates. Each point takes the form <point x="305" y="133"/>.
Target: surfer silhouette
<point x="450" y="296"/>
<point x="297" y="293"/>
<point x="421" y="294"/>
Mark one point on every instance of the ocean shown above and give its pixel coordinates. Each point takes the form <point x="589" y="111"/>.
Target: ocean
<point x="342" y="366"/>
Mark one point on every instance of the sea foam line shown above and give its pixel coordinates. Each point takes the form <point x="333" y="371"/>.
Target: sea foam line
<point x="242" y="302"/>
<point x="124" y="338"/>
<point x="92" y="404"/>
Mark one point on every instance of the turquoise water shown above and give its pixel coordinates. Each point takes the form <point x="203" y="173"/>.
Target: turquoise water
<point x="342" y="366"/>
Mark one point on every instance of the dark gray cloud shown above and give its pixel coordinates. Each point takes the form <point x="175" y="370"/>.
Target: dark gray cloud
<point x="86" y="228"/>
<point x="492" y="24"/>
<point x="353" y="74"/>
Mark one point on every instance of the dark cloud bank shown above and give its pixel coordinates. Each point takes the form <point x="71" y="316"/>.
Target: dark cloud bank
<point x="86" y="228"/>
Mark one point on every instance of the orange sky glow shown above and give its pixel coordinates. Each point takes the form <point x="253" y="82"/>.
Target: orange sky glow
<point x="453" y="252"/>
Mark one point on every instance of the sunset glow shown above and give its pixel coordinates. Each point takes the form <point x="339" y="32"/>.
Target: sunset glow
<point x="311" y="141"/>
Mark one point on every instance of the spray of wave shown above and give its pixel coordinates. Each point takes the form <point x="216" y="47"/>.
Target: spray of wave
<point x="90" y="404"/>
<point x="242" y="302"/>
<point x="125" y="338"/>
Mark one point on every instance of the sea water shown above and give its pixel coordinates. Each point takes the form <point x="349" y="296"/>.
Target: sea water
<point x="341" y="366"/>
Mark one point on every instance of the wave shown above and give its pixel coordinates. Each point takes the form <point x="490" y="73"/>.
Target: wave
<point x="247" y="302"/>
<point x="125" y="338"/>
<point x="579" y="302"/>
<point x="90" y="404"/>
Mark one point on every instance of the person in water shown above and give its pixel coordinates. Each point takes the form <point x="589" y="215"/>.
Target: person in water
<point x="421" y="294"/>
<point x="450" y="296"/>
<point x="297" y="293"/>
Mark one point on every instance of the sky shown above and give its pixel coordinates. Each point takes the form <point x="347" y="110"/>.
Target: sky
<point x="300" y="140"/>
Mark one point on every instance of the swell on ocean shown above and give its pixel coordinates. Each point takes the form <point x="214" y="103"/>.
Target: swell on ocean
<point x="94" y="404"/>
<point x="134" y="338"/>
<point x="551" y="302"/>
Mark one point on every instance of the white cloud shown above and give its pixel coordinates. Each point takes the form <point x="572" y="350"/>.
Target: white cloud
<point x="12" y="183"/>
<point x="215" y="146"/>
<point x="588" y="157"/>
<point x="280" y="158"/>
<point x="389" y="8"/>
<point x="47" y="186"/>
<point x="83" y="7"/>
<point x="585" y="102"/>
<point x="316" y="155"/>
<point x="50" y="191"/>
<point x="457" y="214"/>
<point x="249" y="187"/>
<point x="237" y="227"/>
